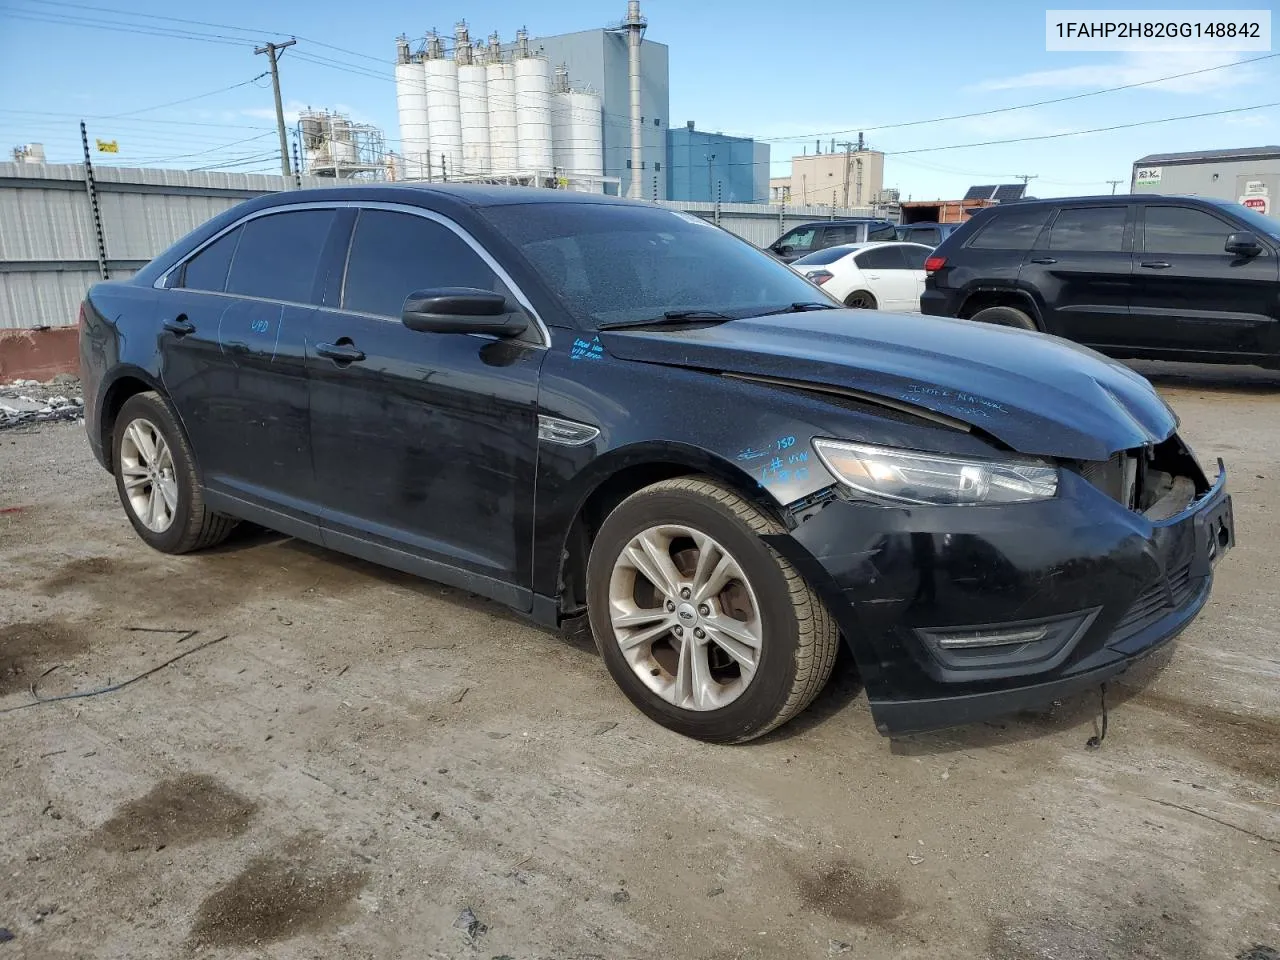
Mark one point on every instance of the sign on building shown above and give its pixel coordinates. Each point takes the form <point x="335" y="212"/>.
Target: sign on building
<point x="1255" y="188"/>
<point x="1257" y="204"/>
<point x="1147" y="176"/>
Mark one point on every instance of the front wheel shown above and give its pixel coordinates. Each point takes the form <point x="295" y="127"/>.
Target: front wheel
<point x="704" y="627"/>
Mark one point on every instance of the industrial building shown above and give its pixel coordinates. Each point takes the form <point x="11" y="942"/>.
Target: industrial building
<point x="583" y="111"/>
<point x="334" y="146"/>
<point x="1248" y="175"/>
<point x="712" y="167"/>
<point x="850" y="177"/>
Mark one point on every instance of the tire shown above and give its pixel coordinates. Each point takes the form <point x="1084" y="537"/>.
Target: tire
<point x="861" y="300"/>
<point x="797" y="638"/>
<point x="162" y="487"/>
<point x="1005" y="317"/>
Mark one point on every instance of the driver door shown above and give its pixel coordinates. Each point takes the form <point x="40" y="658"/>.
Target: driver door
<point x="794" y="244"/>
<point x="425" y="444"/>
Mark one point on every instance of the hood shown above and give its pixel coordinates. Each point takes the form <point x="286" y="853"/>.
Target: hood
<point x="1037" y="394"/>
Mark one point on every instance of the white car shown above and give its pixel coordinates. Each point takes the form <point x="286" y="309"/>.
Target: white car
<point x="875" y="275"/>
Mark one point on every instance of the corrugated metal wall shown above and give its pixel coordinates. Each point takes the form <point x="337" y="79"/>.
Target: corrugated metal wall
<point x="48" y="249"/>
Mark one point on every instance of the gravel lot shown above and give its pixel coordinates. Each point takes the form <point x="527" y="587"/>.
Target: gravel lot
<point x="374" y="766"/>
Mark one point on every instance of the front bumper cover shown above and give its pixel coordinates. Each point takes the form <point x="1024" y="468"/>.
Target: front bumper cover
<point x="888" y="573"/>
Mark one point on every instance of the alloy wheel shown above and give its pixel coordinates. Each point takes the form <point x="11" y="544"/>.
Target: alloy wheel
<point x="146" y="466"/>
<point x="685" y="617"/>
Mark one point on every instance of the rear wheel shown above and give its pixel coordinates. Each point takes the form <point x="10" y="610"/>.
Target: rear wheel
<point x="861" y="300"/>
<point x="704" y="627"/>
<point x="1005" y="317"/>
<point x="156" y="479"/>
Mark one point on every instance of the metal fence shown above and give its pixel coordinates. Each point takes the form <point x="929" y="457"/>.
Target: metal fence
<point x="50" y="252"/>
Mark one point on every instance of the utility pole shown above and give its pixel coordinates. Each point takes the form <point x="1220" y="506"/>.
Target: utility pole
<point x="1026" y="178"/>
<point x="848" y="169"/>
<point x="1114" y="184"/>
<point x="273" y="51"/>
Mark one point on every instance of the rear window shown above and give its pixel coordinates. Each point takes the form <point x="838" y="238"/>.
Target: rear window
<point x="1091" y="229"/>
<point x="1011" y="229"/>
<point x="829" y="255"/>
<point x="279" y="255"/>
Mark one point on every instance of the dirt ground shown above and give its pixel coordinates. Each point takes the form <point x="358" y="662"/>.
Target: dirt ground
<point x="352" y="763"/>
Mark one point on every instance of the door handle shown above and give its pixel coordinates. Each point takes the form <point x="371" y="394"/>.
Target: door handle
<point x="1157" y="264"/>
<point x="180" y="326"/>
<point x="344" y="351"/>
<point x="1044" y="260"/>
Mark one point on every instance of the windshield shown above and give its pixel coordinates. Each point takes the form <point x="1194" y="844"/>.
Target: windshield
<point x="829" y="255"/>
<point x="1258" y="222"/>
<point x="614" y="263"/>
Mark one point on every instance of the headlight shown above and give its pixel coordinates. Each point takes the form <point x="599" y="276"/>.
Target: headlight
<point x="906" y="476"/>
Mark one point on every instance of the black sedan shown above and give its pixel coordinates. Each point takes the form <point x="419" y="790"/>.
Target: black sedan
<point x="579" y="405"/>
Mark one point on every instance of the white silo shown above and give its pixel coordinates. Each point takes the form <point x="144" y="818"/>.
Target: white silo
<point x="473" y="106"/>
<point x="585" y="136"/>
<point x="533" y="109"/>
<point x="561" y="143"/>
<point x="444" y="121"/>
<point x="503" y="130"/>
<point x="411" y="104"/>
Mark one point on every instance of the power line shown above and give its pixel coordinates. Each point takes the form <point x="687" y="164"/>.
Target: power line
<point x="1077" y="133"/>
<point x="1021" y="106"/>
<point x="198" y="96"/>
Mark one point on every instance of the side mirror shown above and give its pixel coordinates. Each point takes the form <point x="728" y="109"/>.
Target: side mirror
<point x="1243" y="244"/>
<point x="462" y="310"/>
<point x="783" y="251"/>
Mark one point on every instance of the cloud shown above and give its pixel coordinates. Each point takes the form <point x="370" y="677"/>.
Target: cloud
<point x="1247" y="120"/>
<point x="1136" y="68"/>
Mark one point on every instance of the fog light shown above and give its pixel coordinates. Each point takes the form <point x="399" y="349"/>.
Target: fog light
<point x="990" y="638"/>
<point x="1004" y="649"/>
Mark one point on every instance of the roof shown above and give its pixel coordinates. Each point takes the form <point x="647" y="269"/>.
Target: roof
<point x="1239" y="153"/>
<point x="469" y="194"/>
<point x="839" y="220"/>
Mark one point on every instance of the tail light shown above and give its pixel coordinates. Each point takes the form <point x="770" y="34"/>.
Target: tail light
<point x="819" y="276"/>
<point x="932" y="264"/>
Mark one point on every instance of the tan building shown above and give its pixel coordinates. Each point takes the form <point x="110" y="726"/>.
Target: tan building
<point x="852" y="179"/>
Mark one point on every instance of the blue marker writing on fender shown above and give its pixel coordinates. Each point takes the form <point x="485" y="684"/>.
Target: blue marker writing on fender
<point x="260" y="326"/>
<point x="586" y="349"/>
<point x="751" y="453"/>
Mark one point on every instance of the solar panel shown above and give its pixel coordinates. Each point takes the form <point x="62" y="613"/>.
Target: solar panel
<point x="981" y="193"/>
<point x="1010" y="191"/>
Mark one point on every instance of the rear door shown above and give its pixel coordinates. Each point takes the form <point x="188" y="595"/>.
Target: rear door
<point x="915" y="255"/>
<point x="1191" y="296"/>
<point x="885" y="269"/>
<point x="425" y="444"/>
<point x="234" y="366"/>
<point x="1082" y="267"/>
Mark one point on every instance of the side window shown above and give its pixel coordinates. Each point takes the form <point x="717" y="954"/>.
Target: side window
<point x="915" y="256"/>
<point x="798" y="239"/>
<point x="881" y="258"/>
<point x="1093" y="229"/>
<point x="279" y="255"/>
<point x="207" y="270"/>
<point x="885" y="231"/>
<point x="930" y="237"/>
<point x="394" y="254"/>
<point x="1011" y="230"/>
<point x="1184" y="230"/>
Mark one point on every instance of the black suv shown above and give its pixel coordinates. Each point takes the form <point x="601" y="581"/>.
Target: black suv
<point x="820" y="234"/>
<point x="1155" y="277"/>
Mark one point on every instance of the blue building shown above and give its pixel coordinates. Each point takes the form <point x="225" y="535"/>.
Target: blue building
<point x="709" y="166"/>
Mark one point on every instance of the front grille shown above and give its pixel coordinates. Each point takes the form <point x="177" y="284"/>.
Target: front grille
<point x="1165" y="595"/>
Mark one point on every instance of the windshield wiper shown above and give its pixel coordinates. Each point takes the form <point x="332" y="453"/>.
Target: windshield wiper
<point x="677" y="316"/>
<point x="801" y="307"/>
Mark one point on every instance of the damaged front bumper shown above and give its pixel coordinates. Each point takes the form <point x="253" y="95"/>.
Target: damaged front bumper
<point x="961" y="614"/>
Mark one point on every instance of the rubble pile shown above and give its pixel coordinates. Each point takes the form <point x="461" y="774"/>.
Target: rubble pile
<point x="29" y="401"/>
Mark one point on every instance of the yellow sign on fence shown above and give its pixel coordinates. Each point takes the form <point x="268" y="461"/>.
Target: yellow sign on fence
<point x="108" y="146"/>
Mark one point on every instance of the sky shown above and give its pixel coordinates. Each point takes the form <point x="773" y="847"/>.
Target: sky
<point x="792" y="75"/>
